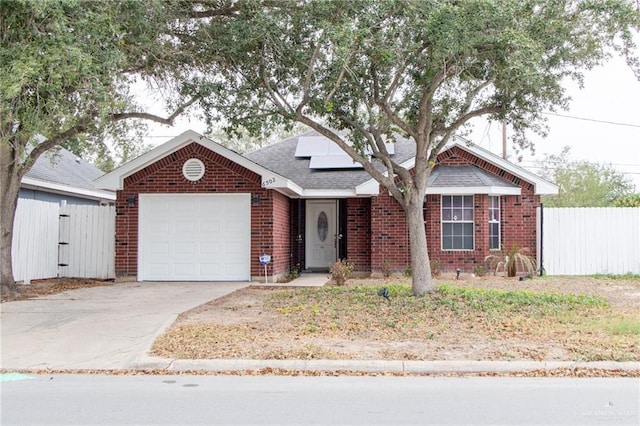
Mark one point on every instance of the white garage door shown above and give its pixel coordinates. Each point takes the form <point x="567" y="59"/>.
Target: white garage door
<point x="194" y="237"/>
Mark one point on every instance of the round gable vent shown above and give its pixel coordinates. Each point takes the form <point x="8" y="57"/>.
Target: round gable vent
<point x="193" y="169"/>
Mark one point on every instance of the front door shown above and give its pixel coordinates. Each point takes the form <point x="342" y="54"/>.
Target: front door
<point x="321" y="234"/>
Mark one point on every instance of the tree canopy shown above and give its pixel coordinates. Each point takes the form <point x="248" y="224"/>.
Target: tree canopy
<point x="366" y="72"/>
<point x="66" y="71"/>
<point x="584" y="183"/>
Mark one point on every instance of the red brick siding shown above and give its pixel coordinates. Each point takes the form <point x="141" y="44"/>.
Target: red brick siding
<point x="389" y="237"/>
<point x="165" y="176"/>
<point x="389" y="240"/>
<point x="281" y="251"/>
<point x="359" y="233"/>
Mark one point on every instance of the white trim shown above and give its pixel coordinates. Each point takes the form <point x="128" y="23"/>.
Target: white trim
<point x="115" y="179"/>
<point x="472" y="190"/>
<point x="58" y="188"/>
<point x="541" y="186"/>
<point x="472" y="221"/>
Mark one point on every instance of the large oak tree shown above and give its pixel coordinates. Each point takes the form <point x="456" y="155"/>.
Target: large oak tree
<point x="66" y="69"/>
<point x="363" y="72"/>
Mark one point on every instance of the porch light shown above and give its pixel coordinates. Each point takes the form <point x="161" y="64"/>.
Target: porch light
<point x="131" y="200"/>
<point x="255" y="199"/>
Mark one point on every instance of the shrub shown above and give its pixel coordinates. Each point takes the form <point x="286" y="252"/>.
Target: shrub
<point x="387" y="268"/>
<point x="436" y="267"/>
<point x="408" y="271"/>
<point x="341" y="271"/>
<point x="479" y="270"/>
<point x="513" y="261"/>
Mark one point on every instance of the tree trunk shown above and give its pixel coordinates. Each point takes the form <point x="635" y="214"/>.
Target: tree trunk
<point x="9" y="189"/>
<point x="422" y="282"/>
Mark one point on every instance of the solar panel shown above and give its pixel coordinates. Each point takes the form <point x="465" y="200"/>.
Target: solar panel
<point x="325" y="154"/>
<point x="309" y="146"/>
<point x="333" y="162"/>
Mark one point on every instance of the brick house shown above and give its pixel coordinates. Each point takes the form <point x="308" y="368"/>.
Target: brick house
<point x="194" y="210"/>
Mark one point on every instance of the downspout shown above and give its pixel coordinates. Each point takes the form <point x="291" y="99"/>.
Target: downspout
<point x="541" y="269"/>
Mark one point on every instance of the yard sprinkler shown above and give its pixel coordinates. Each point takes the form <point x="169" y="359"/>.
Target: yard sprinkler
<point x="384" y="292"/>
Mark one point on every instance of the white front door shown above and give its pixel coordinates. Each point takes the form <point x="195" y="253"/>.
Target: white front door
<point x="321" y="233"/>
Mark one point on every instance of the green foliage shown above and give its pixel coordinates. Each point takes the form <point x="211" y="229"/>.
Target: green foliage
<point x="407" y="271"/>
<point x="369" y="71"/>
<point x="627" y="276"/>
<point x="632" y="200"/>
<point x="585" y="184"/>
<point x="622" y="326"/>
<point x="512" y="261"/>
<point x="436" y="267"/>
<point x="479" y="270"/>
<point x="341" y="271"/>
<point x="518" y="301"/>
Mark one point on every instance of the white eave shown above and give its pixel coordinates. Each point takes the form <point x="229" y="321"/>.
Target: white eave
<point x="470" y="190"/>
<point x="115" y="179"/>
<point x="58" y="188"/>
<point x="541" y="186"/>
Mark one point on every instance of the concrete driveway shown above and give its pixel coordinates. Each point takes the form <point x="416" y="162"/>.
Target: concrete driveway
<point x="109" y="327"/>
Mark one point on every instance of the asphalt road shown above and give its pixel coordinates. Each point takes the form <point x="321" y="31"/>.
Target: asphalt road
<point x="228" y="400"/>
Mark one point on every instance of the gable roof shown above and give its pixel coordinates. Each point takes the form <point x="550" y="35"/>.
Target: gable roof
<point x="62" y="172"/>
<point x="281" y="170"/>
<point x="115" y="179"/>
<point x="541" y="185"/>
<point x="280" y="157"/>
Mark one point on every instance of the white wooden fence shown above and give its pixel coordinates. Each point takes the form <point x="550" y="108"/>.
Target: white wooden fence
<point x="590" y="240"/>
<point x="51" y="240"/>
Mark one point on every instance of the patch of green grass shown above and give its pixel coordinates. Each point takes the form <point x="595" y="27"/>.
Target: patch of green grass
<point x="494" y="300"/>
<point x="625" y="326"/>
<point x="627" y="276"/>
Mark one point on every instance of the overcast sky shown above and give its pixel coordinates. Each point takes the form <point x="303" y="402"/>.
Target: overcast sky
<point x="611" y="94"/>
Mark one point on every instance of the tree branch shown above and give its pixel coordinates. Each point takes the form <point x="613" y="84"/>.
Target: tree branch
<point x="307" y="79"/>
<point x="464" y="118"/>
<point x="152" y="117"/>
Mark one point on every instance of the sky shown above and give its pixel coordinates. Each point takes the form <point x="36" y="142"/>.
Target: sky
<point x="602" y="124"/>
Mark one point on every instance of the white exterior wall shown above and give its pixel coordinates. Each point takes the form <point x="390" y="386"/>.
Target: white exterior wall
<point x="38" y="229"/>
<point x="591" y="240"/>
<point x="35" y="240"/>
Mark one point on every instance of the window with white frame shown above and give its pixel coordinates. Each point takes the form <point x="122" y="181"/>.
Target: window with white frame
<point x="457" y="222"/>
<point x="494" y="223"/>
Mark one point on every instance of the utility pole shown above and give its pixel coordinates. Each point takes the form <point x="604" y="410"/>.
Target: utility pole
<point x="504" y="139"/>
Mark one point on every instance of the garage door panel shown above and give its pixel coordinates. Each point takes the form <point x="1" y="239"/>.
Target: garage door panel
<point x="196" y="237"/>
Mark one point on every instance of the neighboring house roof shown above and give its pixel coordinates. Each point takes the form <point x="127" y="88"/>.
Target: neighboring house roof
<point x="62" y="172"/>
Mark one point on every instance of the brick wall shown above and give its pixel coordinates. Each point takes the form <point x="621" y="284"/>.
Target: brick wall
<point x="358" y="213"/>
<point x="221" y="176"/>
<point x="281" y="250"/>
<point x="389" y="239"/>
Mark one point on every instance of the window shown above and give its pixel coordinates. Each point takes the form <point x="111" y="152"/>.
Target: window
<point x="494" y="223"/>
<point x="457" y="222"/>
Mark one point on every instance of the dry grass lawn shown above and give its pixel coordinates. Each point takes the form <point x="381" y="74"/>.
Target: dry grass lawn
<point x="491" y="318"/>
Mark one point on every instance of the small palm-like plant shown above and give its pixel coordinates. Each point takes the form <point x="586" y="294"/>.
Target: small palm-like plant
<point x="512" y="261"/>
